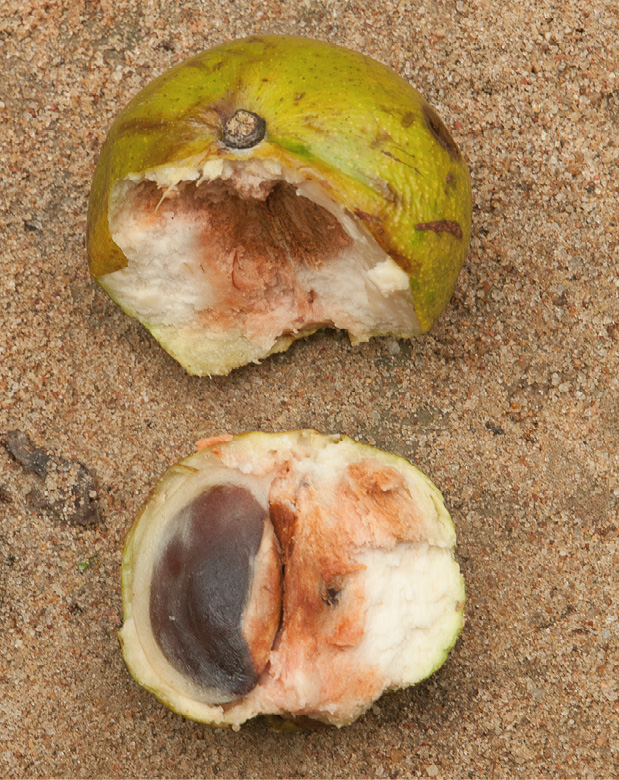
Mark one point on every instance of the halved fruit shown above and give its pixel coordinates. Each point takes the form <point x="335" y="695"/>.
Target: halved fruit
<point x="291" y="574"/>
<point x="272" y="186"/>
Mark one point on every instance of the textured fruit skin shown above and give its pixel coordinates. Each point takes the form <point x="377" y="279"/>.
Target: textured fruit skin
<point x="344" y="120"/>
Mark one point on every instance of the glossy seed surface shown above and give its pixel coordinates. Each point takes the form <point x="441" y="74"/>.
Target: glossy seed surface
<point x="200" y="588"/>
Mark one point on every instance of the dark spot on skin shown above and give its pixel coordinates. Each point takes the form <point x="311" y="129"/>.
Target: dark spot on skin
<point x="441" y="226"/>
<point x="311" y="126"/>
<point x="451" y="182"/>
<point x="407" y="119"/>
<point x="406" y="264"/>
<point x="363" y="215"/>
<point x="130" y="126"/>
<point x="299" y="96"/>
<point x="310" y="117"/>
<point x="386" y="190"/>
<point x="201" y="584"/>
<point x="265" y="42"/>
<point x="381" y="138"/>
<point x="397" y="159"/>
<point x="440" y="132"/>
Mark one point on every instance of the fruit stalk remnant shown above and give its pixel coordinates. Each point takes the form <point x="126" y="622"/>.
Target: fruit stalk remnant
<point x="243" y="130"/>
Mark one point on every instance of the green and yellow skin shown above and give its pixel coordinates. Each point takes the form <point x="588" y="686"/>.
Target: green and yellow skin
<point x="351" y="124"/>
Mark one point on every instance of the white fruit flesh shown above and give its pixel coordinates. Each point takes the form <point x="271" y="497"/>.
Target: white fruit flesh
<point x="230" y="261"/>
<point x="372" y="597"/>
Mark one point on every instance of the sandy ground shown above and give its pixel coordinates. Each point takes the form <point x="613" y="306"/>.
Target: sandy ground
<point x="510" y="404"/>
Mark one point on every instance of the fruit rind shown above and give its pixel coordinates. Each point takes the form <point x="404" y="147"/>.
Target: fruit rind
<point x="334" y="117"/>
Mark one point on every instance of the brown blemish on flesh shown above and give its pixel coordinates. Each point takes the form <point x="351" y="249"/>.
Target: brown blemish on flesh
<point x="323" y="601"/>
<point x="440" y="132"/>
<point x="375" y="497"/>
<point x="254" y="241"/>
<point x="284" y="518"/>
<point x="321" y="530"/>
<point x="330" y="594"/>
<point x="407" y="264"/>
<point x="441" y="226"/>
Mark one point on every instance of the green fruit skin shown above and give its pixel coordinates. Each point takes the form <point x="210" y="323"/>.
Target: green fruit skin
<point x="346" y="121"/>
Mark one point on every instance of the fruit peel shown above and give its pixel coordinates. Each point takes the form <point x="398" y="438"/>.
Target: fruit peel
<point x="334" y="117"/>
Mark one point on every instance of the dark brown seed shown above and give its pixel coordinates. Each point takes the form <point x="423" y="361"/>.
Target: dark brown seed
<point x="200" y="587"/>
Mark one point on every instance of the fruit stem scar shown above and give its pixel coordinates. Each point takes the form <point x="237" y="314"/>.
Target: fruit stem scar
<point x="441" y="226"/>
<point x="243" y="129"/>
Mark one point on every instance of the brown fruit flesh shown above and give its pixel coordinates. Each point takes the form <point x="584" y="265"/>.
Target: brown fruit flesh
<point x="325" y="597"/>
<point x="254" y="242"/>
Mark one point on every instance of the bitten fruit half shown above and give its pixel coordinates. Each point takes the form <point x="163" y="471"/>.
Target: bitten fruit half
<point x="272" y="186"/>
<point x="291" y="574"/>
